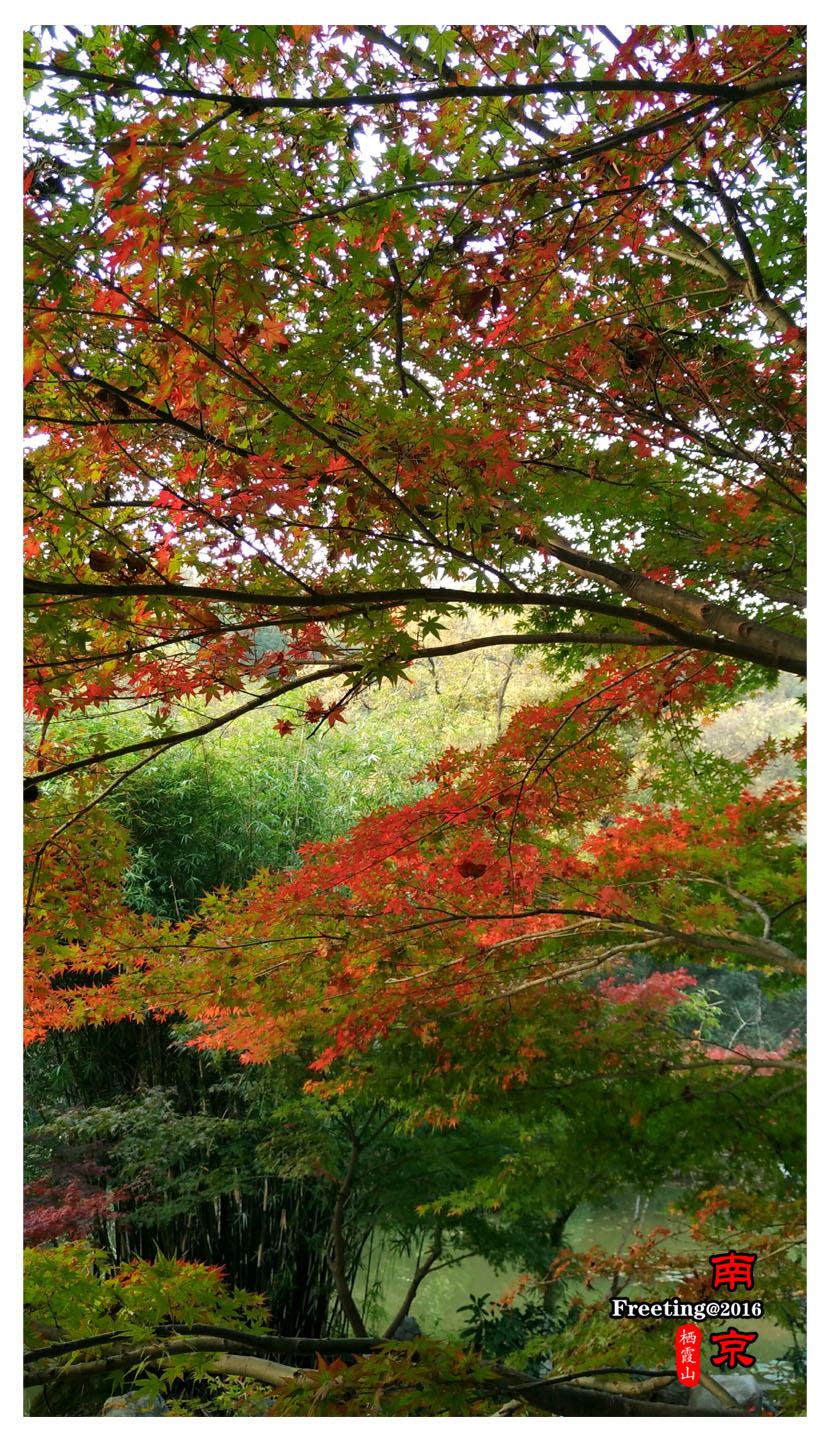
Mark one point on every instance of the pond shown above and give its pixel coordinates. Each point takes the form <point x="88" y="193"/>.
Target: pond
<point x="608" y="1224"/>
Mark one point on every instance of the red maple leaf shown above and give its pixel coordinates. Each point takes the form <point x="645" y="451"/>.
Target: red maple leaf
<point x="273" y="334"/>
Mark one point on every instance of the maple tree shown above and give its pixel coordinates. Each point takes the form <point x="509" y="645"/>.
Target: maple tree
<point x="336" y="333"/>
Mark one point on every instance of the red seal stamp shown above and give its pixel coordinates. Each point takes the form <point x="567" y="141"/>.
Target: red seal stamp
<point x="687" y="1340"/>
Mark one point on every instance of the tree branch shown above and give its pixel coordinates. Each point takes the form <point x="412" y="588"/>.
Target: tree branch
<point x="398" y="313"/>
<point x="266" y="1342"/>
<point x="784" y="651"/>
<point x="336" y="1258"/>
<point x="755" y="286"/>
<point x="570" y="1400"/>
<point x="118" y="1359"/>
<point x="530" y="638"/>
<point x="417" y="1278"/>
<point x="254" y="105"/>
<point x="758" y="642"/>
<point x="164" y="743"/>
<point x="705" y="257"/>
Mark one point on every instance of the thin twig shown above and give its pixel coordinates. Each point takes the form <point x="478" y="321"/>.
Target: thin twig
<point x="397" y="305"/>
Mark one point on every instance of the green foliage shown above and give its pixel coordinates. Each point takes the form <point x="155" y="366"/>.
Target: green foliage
<point x="419" y="1379"/>
<point x="791" y="1394"/>
<point x="72" y="1288"/>
<point x="212" y="817"/>
<point x="503" y="1328"/>
<point x="189" y="1161"/>
<point x="246" y="800"/>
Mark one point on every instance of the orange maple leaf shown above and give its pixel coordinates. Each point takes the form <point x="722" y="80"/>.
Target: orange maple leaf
<point x="273" y="334"/>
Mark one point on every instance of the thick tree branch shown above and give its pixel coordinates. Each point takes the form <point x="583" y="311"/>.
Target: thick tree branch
<point x="253" y="105"/>
<point x="336" y="1257"/>
<point x="739" y="943"/>
<point x="637" y="927"/>
<point x="117" y="1360"/>
<point x="270" y="1344"/>
<point x="784" y="651"/>
<point x="258" y="1369"/>
<point x="758" y="641"/>
<point x="572" y="1400"/>
<point x="560" y="1398"/>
